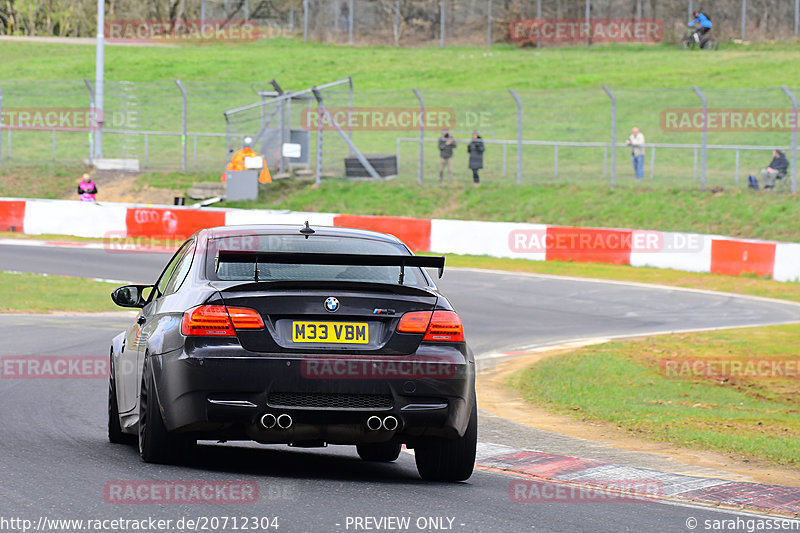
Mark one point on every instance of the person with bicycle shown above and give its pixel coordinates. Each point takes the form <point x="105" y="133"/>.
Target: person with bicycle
<point x="701" y="25"/>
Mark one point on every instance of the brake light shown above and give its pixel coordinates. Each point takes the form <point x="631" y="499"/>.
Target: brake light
<point x="438" y="326"/>
<point x="244" y="318"/>
<point x="415" y="322"/>
<point x="219" y="321"/>
<point x="445" y="326"/>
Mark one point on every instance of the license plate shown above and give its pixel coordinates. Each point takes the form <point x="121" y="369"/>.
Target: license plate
<point x="331" y="332"/>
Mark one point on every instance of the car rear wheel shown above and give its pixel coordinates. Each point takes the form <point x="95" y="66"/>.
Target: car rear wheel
<point x="115" y="433"/>
<point x="449" y="459"/>
<point x="384" y="452"/>
<point x="156" y="444"/>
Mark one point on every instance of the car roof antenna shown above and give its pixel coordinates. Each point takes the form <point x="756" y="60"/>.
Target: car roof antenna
<point x="306" y="230"/>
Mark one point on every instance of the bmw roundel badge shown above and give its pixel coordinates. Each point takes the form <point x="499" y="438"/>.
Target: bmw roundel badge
<point x="331" y="304"/>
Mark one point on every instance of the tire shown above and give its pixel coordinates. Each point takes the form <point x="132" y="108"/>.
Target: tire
<point x="385" y="452"/>
<point x="156" y="444"/>
<point x="115" y="434"/>
<point x="449" y="459"/>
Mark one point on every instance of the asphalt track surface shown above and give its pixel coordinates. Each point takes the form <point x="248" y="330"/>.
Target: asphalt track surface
<point x="56" y="460"/>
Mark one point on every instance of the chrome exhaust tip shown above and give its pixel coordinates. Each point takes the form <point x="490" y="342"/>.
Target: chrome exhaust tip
<point x="268" y="421"/>
<point x="284" y="421"/>
<point x="390" y="423"/>
<point x="374" y="423"/>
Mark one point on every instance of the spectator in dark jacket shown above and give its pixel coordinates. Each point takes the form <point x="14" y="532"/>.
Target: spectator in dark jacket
<point x="446" y="145"/>
<point x="475" y="150"/>
<point x="777" y="168"/>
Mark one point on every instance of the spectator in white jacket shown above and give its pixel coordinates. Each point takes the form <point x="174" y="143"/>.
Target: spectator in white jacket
<point x="636" y="142"/>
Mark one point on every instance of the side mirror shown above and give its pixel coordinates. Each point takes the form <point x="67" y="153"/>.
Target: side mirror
<point x="130" y="295"/>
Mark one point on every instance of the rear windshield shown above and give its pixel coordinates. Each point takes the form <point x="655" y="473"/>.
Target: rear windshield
<point x="228" y="271"/>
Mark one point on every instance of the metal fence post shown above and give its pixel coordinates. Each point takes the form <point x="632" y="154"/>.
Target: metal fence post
<point x="736" y="175"/>
<point x="588" y="16"/>
<point x="350" y="18"/>
<point x="704" y="146"/>
<point x="638" y="9"/>
<point x="421" y="133"/>
<point x="796" y="16"/>
<point x="793" y="98"/>
<point x="1" y="126"/>
<point x="744" y="19"/>
<point x="184" y="126"/>
<point x="652" y="162"/>
<point x="396" y="22"/>
<point x="555" y="159"/>
<point x="489" y="26"/>
<point x="613" y="145"/>
<point x="691" y="10"/>
<point x="318" y="162"/>
<point x="538" y="18"/>
<point x="350" y="122"/>
<point x="94" y="118"/>
<point x="441" y="23"/>
<point x="305" y="20"/>
<point x="519" y="135"/>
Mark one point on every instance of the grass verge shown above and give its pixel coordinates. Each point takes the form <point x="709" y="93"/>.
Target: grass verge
<point x="38" y="293"/>
<point x="626" y="384"/>
<point x="736" y="213"/>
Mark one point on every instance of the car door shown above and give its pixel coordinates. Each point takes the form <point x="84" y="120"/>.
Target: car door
<point x="132" y="357"/>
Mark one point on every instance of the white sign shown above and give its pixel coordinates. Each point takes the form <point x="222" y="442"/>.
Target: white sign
<point x="253" y="163"/>
<point x="291" y="150"/>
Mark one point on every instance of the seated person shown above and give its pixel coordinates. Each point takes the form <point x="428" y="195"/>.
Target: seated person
<point x="777" y="169"/>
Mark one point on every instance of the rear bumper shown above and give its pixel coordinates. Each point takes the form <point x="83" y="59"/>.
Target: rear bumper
<point x="329" y="398"/>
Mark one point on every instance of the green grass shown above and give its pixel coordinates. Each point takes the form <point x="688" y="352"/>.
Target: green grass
<point x="735" y="212"/>
<point x="452" y="68"/>
<point x="623" y="383"/>
<point x="38" y="293"/>
<point x="46" y="181"/>
<point x="560" y="88"/>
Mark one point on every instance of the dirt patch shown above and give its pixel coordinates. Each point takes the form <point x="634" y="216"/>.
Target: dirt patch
<point x="496" y="397"/>
<point x="113" y="186"/>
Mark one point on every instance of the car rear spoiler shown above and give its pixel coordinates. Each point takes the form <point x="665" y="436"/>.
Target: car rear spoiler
<point x="292" y="258"/>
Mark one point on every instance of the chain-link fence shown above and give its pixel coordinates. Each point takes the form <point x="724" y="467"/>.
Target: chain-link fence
<point x="408" y="22"/>
<point x="565" y="136"/>
<point x="478" y="22"/>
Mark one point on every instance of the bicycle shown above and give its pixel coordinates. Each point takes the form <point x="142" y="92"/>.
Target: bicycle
<point x="692" y="40"/>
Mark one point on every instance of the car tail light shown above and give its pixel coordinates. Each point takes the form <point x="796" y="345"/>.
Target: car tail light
<point x="219" y="321"/>
<point x="244" y="318"/>
<point x="438" y="326"/>
<point x="415" y="322"/>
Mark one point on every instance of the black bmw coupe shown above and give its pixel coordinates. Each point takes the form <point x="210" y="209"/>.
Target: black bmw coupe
<point x="297" y="335"/>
